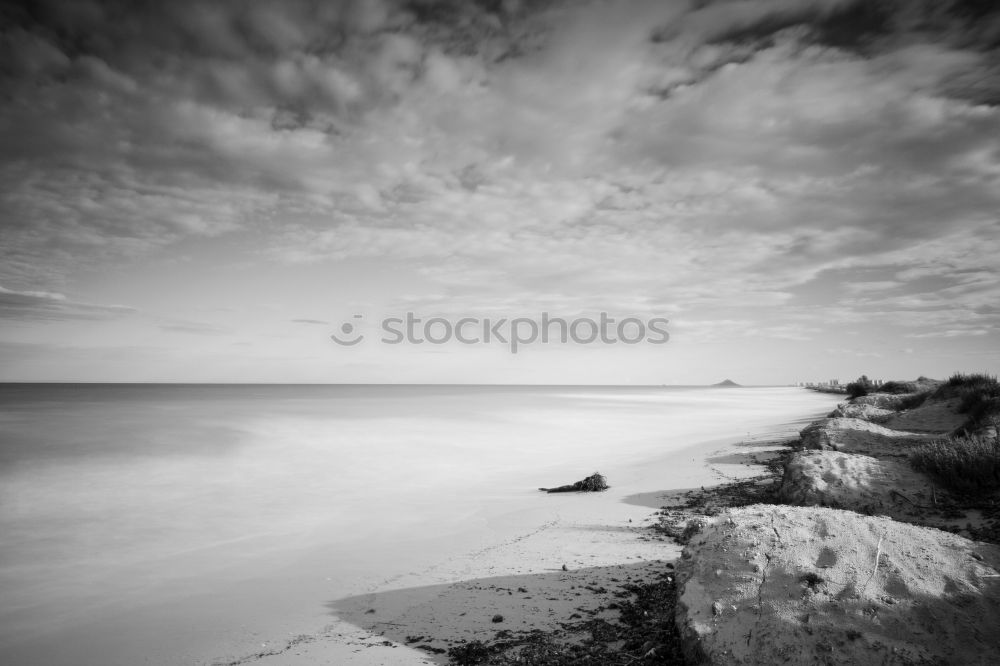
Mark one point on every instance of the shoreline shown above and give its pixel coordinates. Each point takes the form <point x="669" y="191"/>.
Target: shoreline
<point x="741" y="590"/>
<point x="607" y="542"/>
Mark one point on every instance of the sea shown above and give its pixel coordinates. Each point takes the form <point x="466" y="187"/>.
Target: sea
<point x="193" y="524"/>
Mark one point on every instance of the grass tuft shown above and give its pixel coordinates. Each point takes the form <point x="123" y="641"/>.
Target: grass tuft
<point x="966" y="465"/>
<point x="979" y="397"/>
<point x="972" y="380"/>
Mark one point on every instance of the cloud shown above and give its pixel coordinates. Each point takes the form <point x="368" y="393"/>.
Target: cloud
<point x="951" y="333"/>
<point x="50" y="306"/>
<point x="192" y="328"/>
<point x="311" y="321"/>
<point x="855" y="352"/>
<point x="678" y="156"/>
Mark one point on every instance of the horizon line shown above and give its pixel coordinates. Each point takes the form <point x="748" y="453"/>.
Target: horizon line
<point x="223" y="383"/>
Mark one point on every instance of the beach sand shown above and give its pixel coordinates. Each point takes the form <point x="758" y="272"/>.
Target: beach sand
<point x="604" y="540"/>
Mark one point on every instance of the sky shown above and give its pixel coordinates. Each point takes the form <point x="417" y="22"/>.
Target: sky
<point x="206" y="191"/>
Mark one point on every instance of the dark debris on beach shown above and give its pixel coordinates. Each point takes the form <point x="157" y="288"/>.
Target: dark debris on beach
<point x="679" y="519"/>
<point x="592" y="484"/>
<point x="642" y="634"/>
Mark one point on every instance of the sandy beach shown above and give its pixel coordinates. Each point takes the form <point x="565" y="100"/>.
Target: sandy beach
<point x="565" y="560"/>
<point x="831" y="550"/>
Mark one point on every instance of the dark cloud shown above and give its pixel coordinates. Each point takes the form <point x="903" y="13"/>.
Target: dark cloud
<point x="865" y="26"/>
<point x="869" y="29"/>
<point x="338" y="57"/>
<point x="854" y="26"/>
<point x="128" y="126"/>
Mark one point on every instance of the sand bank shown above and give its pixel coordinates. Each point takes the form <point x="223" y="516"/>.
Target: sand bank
<point x="857" y="573"/>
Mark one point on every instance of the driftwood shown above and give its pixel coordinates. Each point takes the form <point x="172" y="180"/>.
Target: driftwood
<point x="593" y="483"/>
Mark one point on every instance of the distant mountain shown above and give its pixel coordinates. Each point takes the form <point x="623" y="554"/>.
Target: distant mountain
<point x="728" y="383"/>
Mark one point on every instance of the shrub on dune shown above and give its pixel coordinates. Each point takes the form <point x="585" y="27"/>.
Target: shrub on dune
<point x="978" y="394"/>
<point x="862" y="386"/>
<point x="896" y="388"/>
<point x="967" y="465"/>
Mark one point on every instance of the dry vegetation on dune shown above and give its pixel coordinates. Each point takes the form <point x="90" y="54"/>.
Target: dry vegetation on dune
<point x="863" y="386"/>
<point x="920" y="385"/>
<point x="969" y="461"/>
<point x="978" y="395"/>
<point x="967" y="465"/>
<point x="979" y="398"/>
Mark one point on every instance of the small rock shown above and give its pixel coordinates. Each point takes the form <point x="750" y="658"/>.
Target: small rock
<point x="716" y="608"/>
<point x="565" y="568"/>
<point x="498" y="618"/>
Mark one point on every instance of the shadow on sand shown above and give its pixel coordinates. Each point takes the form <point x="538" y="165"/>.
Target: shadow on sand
<point x="757" y="458"/>
<point x="657" y="499"/>
<point x="434" y="618"/>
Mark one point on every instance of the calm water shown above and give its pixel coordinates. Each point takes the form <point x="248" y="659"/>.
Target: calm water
<point x="157" y="523"/>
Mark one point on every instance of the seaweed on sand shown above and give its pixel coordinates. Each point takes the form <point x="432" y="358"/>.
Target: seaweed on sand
<point x="593" y="483"/>
<point x="643" y="634"/>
